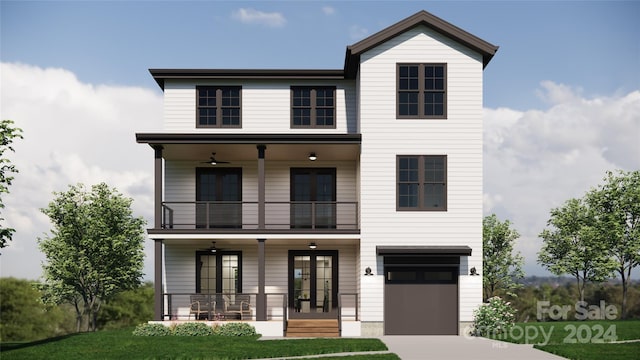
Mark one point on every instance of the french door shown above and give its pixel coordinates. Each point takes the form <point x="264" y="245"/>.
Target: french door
<point x="313" y="284"/>
<point x="218" y="197"/>
<point x="313" y="198"/>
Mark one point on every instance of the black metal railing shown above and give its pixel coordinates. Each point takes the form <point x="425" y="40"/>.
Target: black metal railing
<point x="243" y="215"/>
<point x="222" y="306"/>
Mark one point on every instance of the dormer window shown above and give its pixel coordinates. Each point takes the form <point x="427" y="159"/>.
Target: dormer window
<point x="313" y="107"/>
<point x="422" y="91"/>
<point x="218" y="106"/>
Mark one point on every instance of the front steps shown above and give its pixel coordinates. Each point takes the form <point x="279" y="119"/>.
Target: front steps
<point x="313" y="328"/>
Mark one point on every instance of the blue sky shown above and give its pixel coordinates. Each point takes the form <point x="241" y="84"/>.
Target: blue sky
<point x="561" y="96"/>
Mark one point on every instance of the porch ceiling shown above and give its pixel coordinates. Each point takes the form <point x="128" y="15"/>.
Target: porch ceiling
<point x="229" y="243"/>
<point x="242" y="147"/>
<point x="248" y="152"/>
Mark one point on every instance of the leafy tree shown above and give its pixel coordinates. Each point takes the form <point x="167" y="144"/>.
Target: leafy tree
<point x="128" y="308"/>
<point x="95" y="251"/>
<point x="7" y="134"/>
<point x="571" y="245"/>
<point x="616" y="207"/>
<point x="24" y="316"/>
<point x="499" y="263"/>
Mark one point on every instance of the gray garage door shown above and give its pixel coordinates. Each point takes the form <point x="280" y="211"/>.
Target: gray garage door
<point x="421" y="300"/>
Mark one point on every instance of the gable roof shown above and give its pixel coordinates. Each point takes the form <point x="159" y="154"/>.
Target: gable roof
<point x="352" y="58"/>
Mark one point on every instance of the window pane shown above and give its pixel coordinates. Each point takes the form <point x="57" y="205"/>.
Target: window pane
<point x="408" y="103"/>
<point x="434" y="196"/>
<point x="408" y="77"/>
<point x="408" y="196"/>
<point x="207" y="116"/>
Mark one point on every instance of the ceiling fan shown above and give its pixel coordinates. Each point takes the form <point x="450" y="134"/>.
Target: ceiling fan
<point x="211" y="249"/>
<point x="212" y="160"/>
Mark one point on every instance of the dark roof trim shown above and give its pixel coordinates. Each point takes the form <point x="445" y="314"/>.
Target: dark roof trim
<point x="424" y="250"/>
<point x="268" y="74"/>
<point x="164" y="138"/>
<point x="352" y="58"/>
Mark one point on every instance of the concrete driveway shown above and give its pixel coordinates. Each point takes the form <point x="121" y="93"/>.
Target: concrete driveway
<point x="460" y="347"/>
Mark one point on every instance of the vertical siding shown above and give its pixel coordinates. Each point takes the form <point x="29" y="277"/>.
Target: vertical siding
<point x="459" y="137"/>
<point x="266" y="106"/>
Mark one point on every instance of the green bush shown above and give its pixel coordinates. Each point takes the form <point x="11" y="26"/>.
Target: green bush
<point x="151" y="330"/>
<point x="193" y="329"/>
<point x="493" y="318"/>
<point x="235" y="329"/>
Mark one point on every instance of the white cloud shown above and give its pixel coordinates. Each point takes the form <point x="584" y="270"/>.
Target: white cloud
<point x="357" y="32"/>
<point x="73" y="133"/>
<point x="252" y="16"/>
<point x="535" y="160"/>
<point x="328" y="10"/>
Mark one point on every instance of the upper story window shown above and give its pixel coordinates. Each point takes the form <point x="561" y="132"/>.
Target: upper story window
<point x="422" y="91"/>
<point x="313" y="107"/>
<point x="422" y="182"/>
<point x="218" y="106"/>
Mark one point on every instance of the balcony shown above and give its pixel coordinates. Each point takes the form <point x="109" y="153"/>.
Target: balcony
<point x="242" y="216"/>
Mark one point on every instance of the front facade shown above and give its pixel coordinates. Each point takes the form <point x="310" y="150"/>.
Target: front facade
<point x="351" y="194"/>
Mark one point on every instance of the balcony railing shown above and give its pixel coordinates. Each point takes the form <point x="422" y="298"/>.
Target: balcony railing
<point x="243" y="215"/>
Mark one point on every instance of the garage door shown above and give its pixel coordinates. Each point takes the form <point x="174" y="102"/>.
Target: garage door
<point x="421" y="300"/>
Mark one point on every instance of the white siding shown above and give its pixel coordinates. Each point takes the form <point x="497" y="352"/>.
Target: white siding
<point x="180" y="270"/>
<point x="384" y="137"/>
<point x="266" y="107"/>
<point x="180" y="186"/>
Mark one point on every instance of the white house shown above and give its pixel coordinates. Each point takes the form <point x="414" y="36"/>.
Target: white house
<point x="351" y="195"/>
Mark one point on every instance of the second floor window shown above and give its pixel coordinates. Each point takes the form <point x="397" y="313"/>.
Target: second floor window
<point x="422" y="91"/>
<point x="313" y="107"/>
<point x="218" y="106"/>
<point x="422" y="182"/>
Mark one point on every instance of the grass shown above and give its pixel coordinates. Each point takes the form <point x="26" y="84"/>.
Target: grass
<point x="583" y="340"/>
<point x="121" y="344"/>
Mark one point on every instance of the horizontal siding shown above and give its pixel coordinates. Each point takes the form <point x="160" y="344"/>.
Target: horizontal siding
<point x="459" y="137"/>
<point x="180" y="185"/>
<point x="180" y="269"/>
<point x="266" y="106"/>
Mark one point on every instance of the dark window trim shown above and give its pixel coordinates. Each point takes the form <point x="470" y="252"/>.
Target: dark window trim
<point x="422" y="91"/>
<point x="218" y="255"/>
<point x="218" y="170"/>
<point x="421" y="183"/>
<point x="313" y="124"/>
<point x="218" y="106"/>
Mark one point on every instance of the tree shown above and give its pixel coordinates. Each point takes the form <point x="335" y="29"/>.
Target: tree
<point x="499" y="264"/>
<point x="7" y="134"/>
<point x="128" y="308"/>
<point x="24" y="316"/>
<point x="616" y="207"/>
<point x="571" y="245"/>
<point x="95" y="251"/>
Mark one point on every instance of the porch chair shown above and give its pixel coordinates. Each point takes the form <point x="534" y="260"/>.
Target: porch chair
<point x="242" y="305"/>
<point x="200" y="305"/>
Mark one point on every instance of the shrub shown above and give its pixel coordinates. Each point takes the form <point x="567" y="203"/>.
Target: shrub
<point x="235" y="329"/>
<point x="193" y="329"/>
<point x="493" y="318"/>
<point x="151" y="330"/>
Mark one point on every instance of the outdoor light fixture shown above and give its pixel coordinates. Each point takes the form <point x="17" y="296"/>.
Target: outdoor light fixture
<point x="312" y="246"/>
<point x="213" y="249"/>
<point x="473" y="271"/>
<point x="367" y="272"/>
<point x="312" y="156"/>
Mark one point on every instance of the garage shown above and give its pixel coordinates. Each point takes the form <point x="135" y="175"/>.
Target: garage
<point x="421" y="289"/>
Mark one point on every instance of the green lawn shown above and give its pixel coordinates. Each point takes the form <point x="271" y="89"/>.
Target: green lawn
<point x="584" y="340"/>
<point x="121" y="344"/>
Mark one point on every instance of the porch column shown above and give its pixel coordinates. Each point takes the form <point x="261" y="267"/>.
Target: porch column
<point x="157" y="224"/>
<point x="157" y="190"/>
<point x="158" y="298"/>
<point x="261" y="187"/>
<point x="261" y="298"/>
